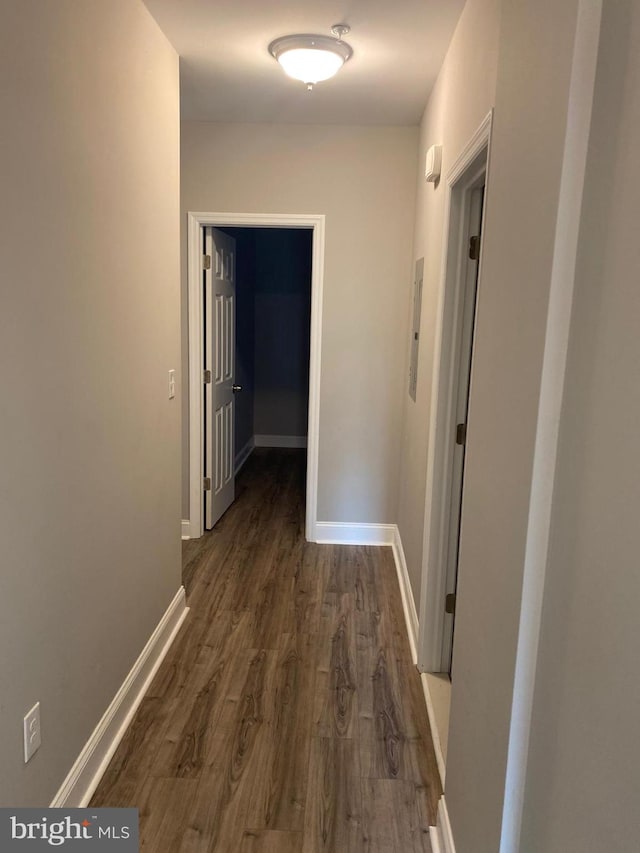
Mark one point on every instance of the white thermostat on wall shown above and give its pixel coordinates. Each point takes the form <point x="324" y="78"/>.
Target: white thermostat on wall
<point x="433" y="161"/>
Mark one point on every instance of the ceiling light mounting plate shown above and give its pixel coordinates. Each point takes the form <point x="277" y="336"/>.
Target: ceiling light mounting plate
<point x="340" y="30"/>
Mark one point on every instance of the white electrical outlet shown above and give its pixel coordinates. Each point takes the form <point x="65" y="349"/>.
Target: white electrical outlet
<point x="32" y="739"/>
<point x="172" y="384"/>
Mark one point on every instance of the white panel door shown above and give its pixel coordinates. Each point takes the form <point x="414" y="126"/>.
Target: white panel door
<point x="219" y="359"/>
<point x="464" y="359"/>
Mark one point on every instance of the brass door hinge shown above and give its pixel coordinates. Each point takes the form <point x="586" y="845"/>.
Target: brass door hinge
<point x="450" y="603"/>
<point x="206" y="484"/>
<point x="474" y="248"/>
<point x="206" y="262"/>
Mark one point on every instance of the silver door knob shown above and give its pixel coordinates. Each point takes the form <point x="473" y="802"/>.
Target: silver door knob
<point x="236" y="388"/>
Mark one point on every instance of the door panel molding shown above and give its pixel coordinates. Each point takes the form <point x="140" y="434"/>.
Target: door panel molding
<point x="196" y="221"/>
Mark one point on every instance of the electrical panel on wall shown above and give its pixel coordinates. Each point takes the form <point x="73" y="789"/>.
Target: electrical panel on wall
<point x="415" y="328"/>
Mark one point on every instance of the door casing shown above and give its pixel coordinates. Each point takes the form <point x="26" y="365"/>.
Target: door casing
<point x="196" y="221"/>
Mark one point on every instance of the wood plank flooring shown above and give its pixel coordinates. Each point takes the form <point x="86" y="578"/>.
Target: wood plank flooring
<point x="287" y="716"/>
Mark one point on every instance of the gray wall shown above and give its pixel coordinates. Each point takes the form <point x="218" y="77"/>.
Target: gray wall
<point x="89" y="327"/>
<point x="282" y="318"/>
<point x="462" y="96"/>
<point x="534" y="60"/>
<point x="363" y="179"/>
<point x="515" y="56"/>
<point x="582" y="787"/>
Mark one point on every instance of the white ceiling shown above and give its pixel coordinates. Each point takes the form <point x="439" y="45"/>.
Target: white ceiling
<point x="228" y="75"/>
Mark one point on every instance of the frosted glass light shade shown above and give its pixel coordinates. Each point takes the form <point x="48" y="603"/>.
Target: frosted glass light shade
<point x="310" y="58"/>
<point x="310" y="64"/>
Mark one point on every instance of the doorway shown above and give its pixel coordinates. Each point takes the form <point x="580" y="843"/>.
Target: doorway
<point x="199" y="452"/>
<point x="450" y="426"/>
<point x="257" y="305"/>
<point x="469" y="271"/>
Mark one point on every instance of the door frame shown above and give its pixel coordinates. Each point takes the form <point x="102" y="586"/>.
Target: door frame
<point x="459" y="180"/>
<point x="196" y="221"/>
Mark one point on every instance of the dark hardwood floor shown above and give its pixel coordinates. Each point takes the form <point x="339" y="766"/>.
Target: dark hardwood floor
<point x="287" y="716"/>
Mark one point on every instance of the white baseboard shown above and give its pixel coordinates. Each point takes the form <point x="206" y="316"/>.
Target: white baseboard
<point x="186" y="528"/>
<point x="441" y="836"/>
<point x="433" y="725"/>
<point x="243" y="454"/>
<point x="411" y="620"/>
<point x="83" y="778"/>
<point x="344" y="533"/>
<point x="408" y="602"/>
<point x="280" y="440"/>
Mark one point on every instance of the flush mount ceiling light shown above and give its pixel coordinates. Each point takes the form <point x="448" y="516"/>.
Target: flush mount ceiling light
<point x="312" y="58"/>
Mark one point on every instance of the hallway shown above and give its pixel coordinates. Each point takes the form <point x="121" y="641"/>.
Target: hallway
<point x="287" y="717"/>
